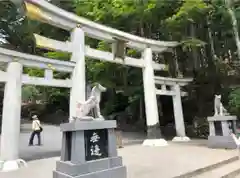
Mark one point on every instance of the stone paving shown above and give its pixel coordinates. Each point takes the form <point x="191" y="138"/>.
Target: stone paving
<point x="141" y="162"/>
<point x="51" y="139"/>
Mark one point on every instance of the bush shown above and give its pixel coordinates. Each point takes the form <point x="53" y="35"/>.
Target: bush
<point x="201" y="127"/>
<point x="234" y="102"/>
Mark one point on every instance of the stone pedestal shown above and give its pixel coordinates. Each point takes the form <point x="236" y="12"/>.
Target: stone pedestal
<point x="154" y="137"/>
<point x="89" y="150"/>
<point x="220" y="129"/>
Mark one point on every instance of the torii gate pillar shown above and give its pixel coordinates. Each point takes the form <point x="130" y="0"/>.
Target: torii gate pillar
<point x="178" y="115"/>
<point x="153" y="129"/>
<point x="78" y="76"/>
<point x="11" y="119"/>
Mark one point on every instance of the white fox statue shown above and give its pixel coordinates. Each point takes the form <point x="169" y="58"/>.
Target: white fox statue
<point x="93" y="102"/>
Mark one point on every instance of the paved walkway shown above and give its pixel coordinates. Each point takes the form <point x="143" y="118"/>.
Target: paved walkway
<point x="141" y="162"/>
<point x="51" y="139"/>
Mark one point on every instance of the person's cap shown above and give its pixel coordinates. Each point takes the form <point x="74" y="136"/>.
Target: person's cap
<point x="34" y="117"/>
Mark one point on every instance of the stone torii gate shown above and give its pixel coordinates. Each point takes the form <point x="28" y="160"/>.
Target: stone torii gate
<point x="14" y="79"/>
<point x="79" y="28"/>
<point x="175" y="92"/>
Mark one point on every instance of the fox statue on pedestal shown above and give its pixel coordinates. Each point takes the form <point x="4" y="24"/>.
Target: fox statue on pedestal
<point x="218" y="107"/>
<point x="93" y="102"/>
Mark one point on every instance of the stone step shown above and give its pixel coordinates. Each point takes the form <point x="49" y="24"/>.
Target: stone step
<point x="230" y="170"/>
<point x="233" y="174"/>
<point x="88" y="167"/>
<point x="237" y="176"/>
<point x="199" y="173"/>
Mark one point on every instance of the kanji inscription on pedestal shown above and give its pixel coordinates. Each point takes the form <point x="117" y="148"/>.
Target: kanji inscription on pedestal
<point x="96" y="144"/>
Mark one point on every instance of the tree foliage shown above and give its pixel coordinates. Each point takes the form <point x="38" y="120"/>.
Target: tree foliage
<point x="207" y="53"/>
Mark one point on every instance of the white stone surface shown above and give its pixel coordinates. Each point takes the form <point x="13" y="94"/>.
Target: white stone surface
<point x="221" y="118"/>
<point x="218" y="107"/>
<point x="93" y="102"/>
<point x="211" y="129"/>
<point x="155" y="142"/>
<point x="181" y="139"/>
<point x="6" y="166"/>
<point x="150" y="97"/>
<point x="36" y="61"/>
<point x="11" y="113"/>
<point x="225" y="128"/>
<point x="78" y="75"/>
<point x="178" y="113"/>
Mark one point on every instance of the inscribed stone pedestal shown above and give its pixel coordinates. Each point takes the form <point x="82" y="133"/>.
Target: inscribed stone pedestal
<point x="220" y="129"/>
<point x="89" y="150"/>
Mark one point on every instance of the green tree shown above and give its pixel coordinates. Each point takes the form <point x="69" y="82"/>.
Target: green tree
<point x="15" y="31"/>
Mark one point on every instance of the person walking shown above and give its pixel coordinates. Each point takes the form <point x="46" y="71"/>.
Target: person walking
<point x="36" y="130"/>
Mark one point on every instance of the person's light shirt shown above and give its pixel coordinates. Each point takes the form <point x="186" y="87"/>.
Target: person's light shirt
<point x="36" y="125"/>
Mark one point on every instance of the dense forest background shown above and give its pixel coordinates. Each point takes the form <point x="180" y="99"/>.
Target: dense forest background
<point x="209" y="53"/>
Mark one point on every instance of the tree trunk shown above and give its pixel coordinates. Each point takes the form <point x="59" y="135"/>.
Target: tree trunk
<point x="175" y="61"/>
<point x="210" y="37"/>
<point x="196" y="63"/>
<point x="234" y="25"/>
<point x="178" y="72"/>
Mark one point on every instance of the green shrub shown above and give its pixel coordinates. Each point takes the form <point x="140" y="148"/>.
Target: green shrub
<point x="201" y="127"/>
<point x="234" y="102"/>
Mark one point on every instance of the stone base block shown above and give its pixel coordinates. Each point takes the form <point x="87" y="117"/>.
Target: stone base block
<point x="221" y="142"/>
<point x="181" y="139"/>
<point x="7" y="166"/>
<point x="116" y="172"/>
<point x="102" y="168"/>
<point x="155" y="142"/>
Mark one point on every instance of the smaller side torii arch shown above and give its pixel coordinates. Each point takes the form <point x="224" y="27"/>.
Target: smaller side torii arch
<point x="175" y="85"/>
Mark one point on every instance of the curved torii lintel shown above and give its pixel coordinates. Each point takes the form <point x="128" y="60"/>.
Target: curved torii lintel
<point x="172" y="81"/>
<point x="29" y="60"/>
<point x="47" y="12"/>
